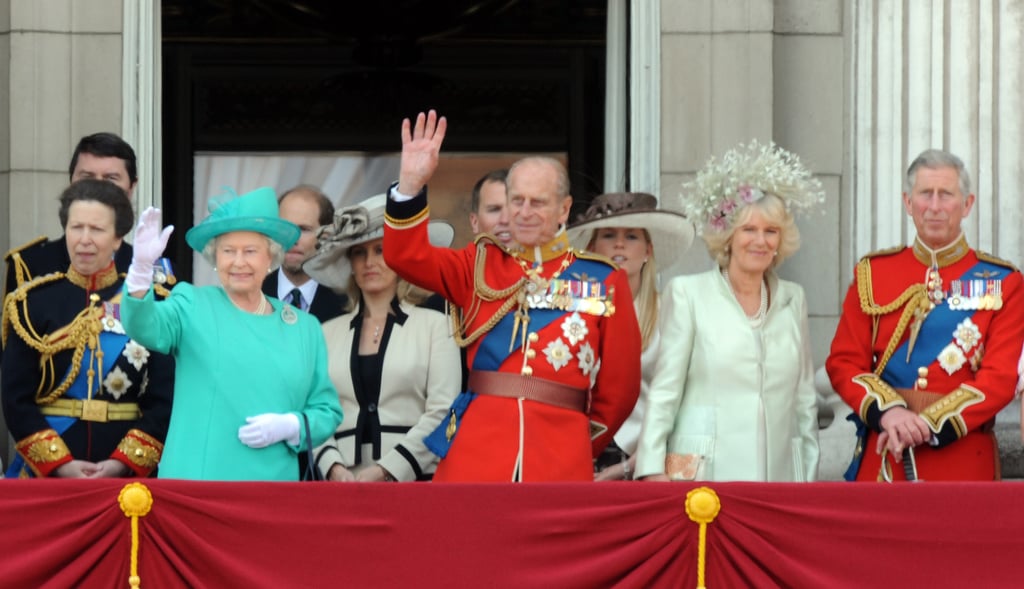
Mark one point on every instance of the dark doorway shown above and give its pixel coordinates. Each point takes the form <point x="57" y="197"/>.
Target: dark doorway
<point x="323" y="75"/>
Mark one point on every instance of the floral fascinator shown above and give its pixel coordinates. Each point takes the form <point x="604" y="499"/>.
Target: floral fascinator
<point x="744" y="175"/>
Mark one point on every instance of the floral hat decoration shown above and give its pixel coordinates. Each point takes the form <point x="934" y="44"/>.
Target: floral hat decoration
<point x="354" y="225"/>
<point x="744" y="175"/>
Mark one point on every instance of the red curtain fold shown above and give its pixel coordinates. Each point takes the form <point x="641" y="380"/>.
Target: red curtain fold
<point x="73" y="534"/>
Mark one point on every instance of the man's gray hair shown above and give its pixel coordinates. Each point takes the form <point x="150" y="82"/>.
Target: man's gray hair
<point x="562" y="175"/>
<point x="937" y="158"/>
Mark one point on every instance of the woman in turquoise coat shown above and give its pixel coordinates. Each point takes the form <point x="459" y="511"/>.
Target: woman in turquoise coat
<point x="732" y="397"/>
<point x="249" y="369"/>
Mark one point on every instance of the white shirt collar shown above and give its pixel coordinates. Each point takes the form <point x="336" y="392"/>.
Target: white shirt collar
<point x="285" y="286"/>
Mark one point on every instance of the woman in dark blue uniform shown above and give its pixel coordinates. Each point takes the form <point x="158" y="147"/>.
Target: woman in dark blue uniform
<point x="81" y="398"/>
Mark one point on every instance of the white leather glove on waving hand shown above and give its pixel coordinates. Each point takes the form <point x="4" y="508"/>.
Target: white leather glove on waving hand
<point x="270" y="428"/>
<point x="150" y="241"/>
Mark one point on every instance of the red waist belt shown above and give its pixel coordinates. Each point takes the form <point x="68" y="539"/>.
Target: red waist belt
<point x="517" y="386"/>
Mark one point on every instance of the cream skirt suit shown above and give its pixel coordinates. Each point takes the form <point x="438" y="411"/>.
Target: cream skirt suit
<point x="740" y="396"/>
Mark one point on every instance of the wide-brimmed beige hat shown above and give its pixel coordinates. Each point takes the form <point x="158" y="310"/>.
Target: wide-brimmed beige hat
<point x="352" y="226"/>
<point x="671" y="233"/>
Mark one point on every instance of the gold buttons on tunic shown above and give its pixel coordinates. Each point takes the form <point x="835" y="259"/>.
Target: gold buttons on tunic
<point x="531" y="353"/>
<point x="533" y="337"/>
<point x="527" y="371"/>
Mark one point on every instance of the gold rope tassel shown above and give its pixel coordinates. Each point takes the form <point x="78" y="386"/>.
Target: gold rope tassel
<point x="702" y="505"/>
<point x="135" y="501"/>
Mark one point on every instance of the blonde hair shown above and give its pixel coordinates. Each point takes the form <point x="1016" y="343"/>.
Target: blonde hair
<point x="775" y="212"/>
<point x="646" y="300"/>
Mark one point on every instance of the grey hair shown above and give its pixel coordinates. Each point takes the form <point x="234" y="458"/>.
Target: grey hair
<point x="562" y="176"/>
<point x="934" y="159"/>
<point x="276" y="252"/>
<point x="774" y="210"/>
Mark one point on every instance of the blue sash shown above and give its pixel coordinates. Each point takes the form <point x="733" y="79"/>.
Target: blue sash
<point x="112" y="344"/>
<point x="494" y="346"/>
<point x="494" y="349"/>
<point x="935" y="334"/>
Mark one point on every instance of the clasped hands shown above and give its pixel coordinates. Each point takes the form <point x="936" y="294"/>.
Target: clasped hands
<point x="83" y="469"/>
<point x="901" y="428"/>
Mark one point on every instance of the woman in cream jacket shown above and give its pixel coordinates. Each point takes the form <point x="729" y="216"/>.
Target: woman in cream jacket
<point x="732" y="396"/>
<point x="395" y="365"/>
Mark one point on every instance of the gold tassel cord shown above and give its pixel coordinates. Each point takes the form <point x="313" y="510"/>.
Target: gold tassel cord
<point x="915" y="299"/>
<point x="702" y="505"/>
<point x="135" y="501"/>
<point x="82" y="333"/>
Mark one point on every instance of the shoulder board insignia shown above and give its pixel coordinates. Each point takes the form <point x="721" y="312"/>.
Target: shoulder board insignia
<point x="25" y="246"/>
<point x="588" y="255"/>
<point x="987" y="257"/>
<point x="488" y="238"/>
<point x="885" y="252"/>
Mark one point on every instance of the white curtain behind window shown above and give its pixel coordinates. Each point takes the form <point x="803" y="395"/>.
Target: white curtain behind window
<point x="346" y="178"/>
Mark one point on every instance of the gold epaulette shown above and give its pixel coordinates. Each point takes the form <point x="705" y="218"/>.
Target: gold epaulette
<point x="588" y="255"/>
<point x="9" y="310"/>
<point x="487" y="237"/>
<point x="987" y="257"/>
<point x="885" y="252"/>
<point x="25" y="246"/>
<point x="21" y="270"/>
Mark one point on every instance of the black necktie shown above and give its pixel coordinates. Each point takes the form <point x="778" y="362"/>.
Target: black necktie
<point x="296" y="296"/>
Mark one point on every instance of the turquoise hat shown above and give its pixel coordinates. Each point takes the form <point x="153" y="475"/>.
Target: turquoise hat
<point x="252" y="211"/>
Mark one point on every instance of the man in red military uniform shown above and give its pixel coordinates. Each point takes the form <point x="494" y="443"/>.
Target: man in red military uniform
<point x="927" y="346"/>
<point x="552" y="336"/>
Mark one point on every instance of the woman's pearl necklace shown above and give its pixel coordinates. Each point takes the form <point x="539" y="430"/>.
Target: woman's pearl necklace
<point x="757" y="318"/>
<point x="261" y="309"/>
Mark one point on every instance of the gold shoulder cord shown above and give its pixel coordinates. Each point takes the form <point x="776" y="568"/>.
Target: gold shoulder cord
<point x="82" y="332"/>
<point x="483" y="292"/>
<point x="915" y="298"/>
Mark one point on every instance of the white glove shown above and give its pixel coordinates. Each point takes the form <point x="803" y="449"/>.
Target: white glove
<point x="270" y="428"/>
<point x="150" y="242"/>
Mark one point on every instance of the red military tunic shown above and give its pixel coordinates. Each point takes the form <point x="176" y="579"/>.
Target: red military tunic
<point x="964" y="352"/>
<point x="517" y="439"/>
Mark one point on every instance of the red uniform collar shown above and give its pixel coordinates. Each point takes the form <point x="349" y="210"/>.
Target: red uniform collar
<point x="944" y="256"/>
<point x="551" y="250"/>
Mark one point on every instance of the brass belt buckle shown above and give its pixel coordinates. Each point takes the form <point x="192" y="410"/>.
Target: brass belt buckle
<point x="93" y="410"/>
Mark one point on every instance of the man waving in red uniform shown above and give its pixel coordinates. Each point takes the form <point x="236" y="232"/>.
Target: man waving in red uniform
<point x="540" y="321"/>
<point x="927" y="346"/>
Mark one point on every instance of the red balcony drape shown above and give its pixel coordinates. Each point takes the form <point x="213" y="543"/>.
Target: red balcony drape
<point x="60" y="533"/>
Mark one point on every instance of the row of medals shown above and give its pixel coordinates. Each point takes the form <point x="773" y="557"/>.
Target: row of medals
<point x="965" y="295"/>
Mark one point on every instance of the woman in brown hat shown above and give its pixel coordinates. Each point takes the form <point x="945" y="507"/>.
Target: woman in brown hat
<point x="629" y="229"/>
<point x="395" y="365"/>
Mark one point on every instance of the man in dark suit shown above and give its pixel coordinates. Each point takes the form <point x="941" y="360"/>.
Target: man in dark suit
<point x="308" y="208"/>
